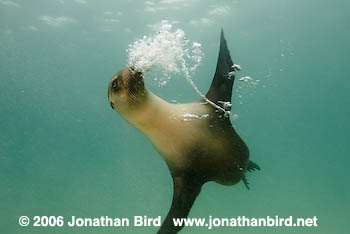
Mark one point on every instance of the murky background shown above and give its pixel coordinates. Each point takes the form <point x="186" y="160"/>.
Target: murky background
<point x="64" y="151"/>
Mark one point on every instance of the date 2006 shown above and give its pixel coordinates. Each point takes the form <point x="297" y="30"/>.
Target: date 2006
<point x="51" y="221"/>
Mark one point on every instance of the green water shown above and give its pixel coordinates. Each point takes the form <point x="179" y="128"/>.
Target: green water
<point x="65" y="152"/>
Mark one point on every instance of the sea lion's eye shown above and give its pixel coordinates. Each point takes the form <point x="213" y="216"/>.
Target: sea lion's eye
<point x="115" y="85"/>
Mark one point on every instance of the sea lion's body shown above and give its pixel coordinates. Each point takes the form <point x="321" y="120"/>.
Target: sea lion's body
<point x="189" y="139"/>
<point x="196" y="140"/>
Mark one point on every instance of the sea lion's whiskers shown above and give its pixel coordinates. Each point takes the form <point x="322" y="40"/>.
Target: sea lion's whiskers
<point x="134" y="98"/>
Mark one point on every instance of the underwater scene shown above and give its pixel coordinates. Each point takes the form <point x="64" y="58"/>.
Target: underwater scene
<point x="95" y="135"/>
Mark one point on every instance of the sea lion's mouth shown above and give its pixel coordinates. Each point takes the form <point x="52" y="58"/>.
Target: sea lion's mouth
<point x="112" y="105"/>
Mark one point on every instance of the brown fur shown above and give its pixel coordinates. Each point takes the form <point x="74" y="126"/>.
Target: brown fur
<point x="196" y="140"/>
<point x="197" y="144"/>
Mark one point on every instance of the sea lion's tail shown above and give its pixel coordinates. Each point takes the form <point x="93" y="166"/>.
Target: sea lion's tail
<point x="221" y="86"/>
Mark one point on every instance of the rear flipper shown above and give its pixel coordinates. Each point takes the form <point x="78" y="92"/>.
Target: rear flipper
<point x="245" y="181"/>
<point x="251" y="167"/>
<point x="185" y="193"/>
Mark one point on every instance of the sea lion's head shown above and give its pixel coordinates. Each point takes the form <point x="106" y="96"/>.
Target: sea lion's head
<point x="126" y="90"/>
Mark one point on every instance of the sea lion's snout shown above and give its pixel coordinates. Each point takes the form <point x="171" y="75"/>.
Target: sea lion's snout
<point x="135" y="77"/>
<point x="135" y="81"/>
<point x="135" y="72"/>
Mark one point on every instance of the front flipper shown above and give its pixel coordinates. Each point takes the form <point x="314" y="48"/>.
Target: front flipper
<point x="185" y="193"/>
<point x="221" y="86"/>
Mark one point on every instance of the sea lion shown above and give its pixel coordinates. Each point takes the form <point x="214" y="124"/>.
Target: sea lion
<point x="196" y="140"/>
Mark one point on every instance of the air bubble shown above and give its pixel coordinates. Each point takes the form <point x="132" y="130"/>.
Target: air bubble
<point x="168" y="52"/>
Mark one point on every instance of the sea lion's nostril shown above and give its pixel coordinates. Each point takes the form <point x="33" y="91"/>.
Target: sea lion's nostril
<point x="112" y="105"/>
